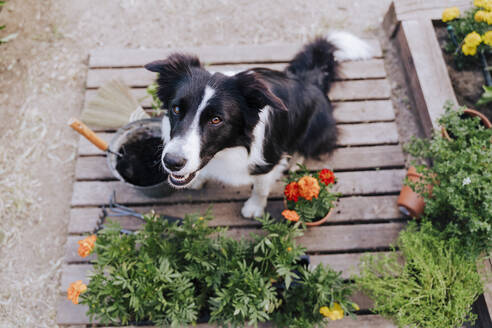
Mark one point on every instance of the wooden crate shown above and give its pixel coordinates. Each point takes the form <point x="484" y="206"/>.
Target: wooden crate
<point x="368" y="162"/>
<point x="411" y="24"/>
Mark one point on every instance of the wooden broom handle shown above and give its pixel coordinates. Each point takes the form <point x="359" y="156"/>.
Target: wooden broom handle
<point x="88" y="133"/>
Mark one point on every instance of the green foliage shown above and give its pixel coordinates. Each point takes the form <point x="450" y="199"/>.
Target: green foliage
<point x="462" y="27"/>
<point x="461" y="174"/>
<point x="156" y="102"/>
<point x="323" y="286"/>
<point x="434" y="288"/>
<point x="175" y="274"/>
<point x="317" y="208"/>
<point x="486" y="96"/>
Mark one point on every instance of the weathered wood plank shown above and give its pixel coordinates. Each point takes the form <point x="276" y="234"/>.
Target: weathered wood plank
<point x="70" y="314"/>
<point x="426" y="71"/>
<point x="360" y="90"/>
<point x="363" y="111"/>
<point x="333" y="239"/>
<point x="110" y="57"/>
<point x="347" y="158"/>
<point x="348" y="209"/>
<point x="367" y="134"/>
<point x="340" y="91"/>
<point x="140" y="77"/>
<point x="358" y="134"/>
<point x="401" y="10"/>
<point x="95" y="193"/>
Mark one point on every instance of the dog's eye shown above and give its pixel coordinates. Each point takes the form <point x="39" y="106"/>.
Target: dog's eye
<point x="176" y="110"/>
<point x="215" y="120"/>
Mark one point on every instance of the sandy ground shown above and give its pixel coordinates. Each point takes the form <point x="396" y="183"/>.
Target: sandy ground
<point x="42" y="75"/>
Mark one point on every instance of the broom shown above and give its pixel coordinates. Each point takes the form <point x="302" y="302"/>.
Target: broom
<point x="113" y="107"/>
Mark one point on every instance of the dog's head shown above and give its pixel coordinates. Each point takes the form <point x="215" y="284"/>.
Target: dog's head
<point x="207" y="113"/>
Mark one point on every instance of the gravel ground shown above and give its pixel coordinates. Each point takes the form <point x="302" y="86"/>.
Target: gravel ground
<point x="42" y="75"/>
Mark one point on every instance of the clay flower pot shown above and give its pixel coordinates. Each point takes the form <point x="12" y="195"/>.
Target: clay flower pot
<point x="315" y="223"/>
<point x="410" y="202"/>
<point x="472" y="113"/>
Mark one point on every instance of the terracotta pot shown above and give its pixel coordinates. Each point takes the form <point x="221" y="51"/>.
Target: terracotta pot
<point x="315" y="223"/>
<point x="469" y="112"/>
<point x="410" y="202"/>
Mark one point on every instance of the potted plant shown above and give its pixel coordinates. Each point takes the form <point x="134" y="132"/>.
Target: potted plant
<point x="411" y="202"/>
<point x="308" y="197"/>
<point x="468" y="113"/>
<point x="461" y="175"/>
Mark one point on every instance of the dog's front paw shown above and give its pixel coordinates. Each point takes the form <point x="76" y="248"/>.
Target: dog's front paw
<point x="253" y="208"/>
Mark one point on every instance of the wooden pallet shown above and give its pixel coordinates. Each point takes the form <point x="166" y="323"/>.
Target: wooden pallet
<point x="411" y="23"/>
<point x="368" y="163"/>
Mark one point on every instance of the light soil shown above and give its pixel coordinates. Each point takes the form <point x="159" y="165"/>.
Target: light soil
<point x="42" y="76"/>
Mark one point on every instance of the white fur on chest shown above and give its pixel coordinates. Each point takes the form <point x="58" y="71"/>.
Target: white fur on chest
<point x="229" y="166"/>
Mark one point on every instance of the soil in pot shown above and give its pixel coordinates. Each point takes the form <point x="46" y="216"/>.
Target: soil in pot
<point x="141" y="161"/>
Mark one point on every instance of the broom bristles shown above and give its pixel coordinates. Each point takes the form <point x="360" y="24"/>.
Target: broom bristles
<point x="112" y="107"/>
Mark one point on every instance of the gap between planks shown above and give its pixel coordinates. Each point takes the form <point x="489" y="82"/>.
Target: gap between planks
<point x="360" y="134"/>
<point x="266" y="53"/>
<point x="348" y="210"/>
<point x="140" y="77"/>
<point x="95" y="193"/>
<point x="347" y="158"/>
<point x="340" y="91"/>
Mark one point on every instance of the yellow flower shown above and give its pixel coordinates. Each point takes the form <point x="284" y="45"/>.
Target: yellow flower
<point x="481" y="16"/>
<point x="469" y="50"/>
<point x="334" y="313"/>
<point x="480" y="3"/>
<point x="488" y="18"/>
<point x="487" y="38"/>
<point x="473" y="39"/>
<point x="356" y="307"/>
<point x="450" y="13"/>
<point x="289" y="249"/>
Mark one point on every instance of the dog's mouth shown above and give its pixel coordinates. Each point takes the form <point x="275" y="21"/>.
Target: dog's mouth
<point x="181" y="181"/>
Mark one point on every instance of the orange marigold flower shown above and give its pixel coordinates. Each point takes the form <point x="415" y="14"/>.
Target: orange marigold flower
<point x="86" y="246"/>
<point x="326" y="176"/>
<point x="74" y="290"/>
<point x="308" y="187"/>
<point x="292" y="191"/>
<point x="290" y="215"/>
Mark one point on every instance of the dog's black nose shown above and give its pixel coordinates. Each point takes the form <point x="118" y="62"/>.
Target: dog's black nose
<point x="174" y="162"/>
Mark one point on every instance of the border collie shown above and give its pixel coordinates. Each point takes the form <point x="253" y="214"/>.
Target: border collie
<point x="241" y="129"/>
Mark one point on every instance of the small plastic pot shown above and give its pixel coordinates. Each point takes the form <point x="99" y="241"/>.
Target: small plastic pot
<point x="409" y="202"/>
<point x="315" y="223"/>
<point x="472" y="113"/>
<point x="145" y="127"/>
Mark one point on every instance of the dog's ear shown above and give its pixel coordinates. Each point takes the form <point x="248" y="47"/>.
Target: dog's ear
<point x="172" y="71"/>
<point x="257" y="92"/>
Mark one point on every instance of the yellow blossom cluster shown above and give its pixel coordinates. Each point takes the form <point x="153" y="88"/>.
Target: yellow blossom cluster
<point x="450" y="13"/>
<point x="471" y="42"/>
<point x="334" y="312"/>
<point x="485" y="12"/>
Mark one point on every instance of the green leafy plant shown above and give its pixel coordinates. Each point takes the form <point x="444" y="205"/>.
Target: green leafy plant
<point x="486" y="96"/>
<point x="308" y="194"/>
<point x="461" y="175"/>
<point x="156" y="102"/>
<point x="178" y="274"/>
<point x="429" y="283"/>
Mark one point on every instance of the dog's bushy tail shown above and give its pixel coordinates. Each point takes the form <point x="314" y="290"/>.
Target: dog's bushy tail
<point x="317" y="62"/>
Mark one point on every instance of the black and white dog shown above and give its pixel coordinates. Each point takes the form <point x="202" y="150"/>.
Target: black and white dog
<point x="241" y="129"/>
